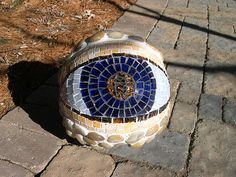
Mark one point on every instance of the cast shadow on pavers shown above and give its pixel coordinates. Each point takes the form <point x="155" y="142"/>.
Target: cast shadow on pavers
<point x="25" y="81"/>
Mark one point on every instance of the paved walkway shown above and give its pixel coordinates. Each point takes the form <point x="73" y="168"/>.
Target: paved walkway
<point x="198" y="41"/>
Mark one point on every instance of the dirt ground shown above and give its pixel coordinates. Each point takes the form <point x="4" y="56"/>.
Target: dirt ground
<point x="36" y="36"/>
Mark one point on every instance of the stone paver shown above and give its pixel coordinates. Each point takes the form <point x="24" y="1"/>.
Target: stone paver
<point x="11" y="170"/>
<point x="128" y="23"/>
<point x="183" y="118"/>
<point x="210" y="107"/>
<point x="169" y="149"/>
<point x="26" y="148"/>
<point x="221" y="79"/>
<point x="130" y="170"/>
<point x="229" y="115"/>
<point x="214" y="151"/>
<point x="74" y="161"/>
<point x="38" y="119"/>
<point x="160" y="36"/>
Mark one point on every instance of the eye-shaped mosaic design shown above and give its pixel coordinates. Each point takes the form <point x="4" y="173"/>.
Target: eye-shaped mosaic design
<point x="114" y="90"/>
<point x="121" y="86"/>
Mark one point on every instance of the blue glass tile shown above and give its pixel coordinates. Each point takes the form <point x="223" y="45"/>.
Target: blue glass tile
<point x="84" y="92"/>
<point x="99" y="103"/>
<point x="130" y="61"/>
<point x="86" y="68"/>
<point x="91" y="64"/>
<point x="139" y="85"/>
<point x="153" y="86"/>
<point x="101" y="78"/>
<point x="110" y="61"/>
<point x="111" y="69"/>
<point x="93" y="86"/>
<point x="141" y="104"/>
<point x="98" y="114"/>
<point x="99" y="66"/>
<point x="103" y="91"/>
<point x="151" y="75"/>
<point x="152" y="97"/>
<point x="93" y="92"/>
<point x="150" y="103"/>
<point x="145" y="99"/>
<point x="104" y="63"/>
<point x="144" y="111"/>
<point x="143" y="73"/>
<point x="109" y="111"/>
<point x="140" y="68"/>
<point x="106" y="74"/>
<point x="127" y="113"/>
<point x="132" y="71"/>
<point x="137" y="108"/>
<point x="148" y="108"/>
<point x="121" y="104"/>
<point x="95" y="72"/>
<point x="145" y="64"/>
<point x="132" y="101"/>
<point x="122" y="59"/>
<point x="107" y="96"/>
<point x="137" y="97"/>
<point x="132" y="110"/>
<point x="102" y="84"/>
<point x="140" y="92"/>
<point x="136" y="76"/>
<point x="103" y="108"/>
<point x="148" y="69"/>
<point x="96" y="97"/>
<point x="140" y="60"/>
<point x="135" y="64"/>
<point x="86" y="98"/>
<point x="127" y="103"/>
<point x="83" y="85"/>
<point x="117" y="60"/>
<point x="111" y="101"/>
<point x="121" y="113"/>
<point x="115" y="113"/>
<point x="125" y="67"/>
<point x="93" y="80"/>
<point x="84" y="78"/>
<point x="89" y="104"/>
<point x="146" y="93"/>
<point x="153" y="92"/>
<point x="147" y="87"/>
<point x="92" y="111"/>
<point x="117" y="67"/>
<point x="116" y="104"/>
<point x="145" y="78"/>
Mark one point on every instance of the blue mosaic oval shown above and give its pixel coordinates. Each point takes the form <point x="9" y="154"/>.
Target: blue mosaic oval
<point x="118" y="87"/>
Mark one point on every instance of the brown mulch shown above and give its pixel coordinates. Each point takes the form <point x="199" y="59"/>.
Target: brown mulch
<point x="36" y="36"/>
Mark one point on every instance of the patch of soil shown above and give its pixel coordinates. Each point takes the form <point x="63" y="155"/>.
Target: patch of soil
<point x="36" y="36"/>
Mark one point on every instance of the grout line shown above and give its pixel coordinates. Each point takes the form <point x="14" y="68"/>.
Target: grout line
<point x="187" y="4"/>
<point x="180" y="30"/>
<point x="116" y="164"/>
<point x="194" y="133"/>
<point x="154" y="26"/>
<point x="206" y="54"/>
<point x="223" y="109"/>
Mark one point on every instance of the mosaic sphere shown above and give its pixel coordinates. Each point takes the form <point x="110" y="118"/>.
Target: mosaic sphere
<point x="114" y="90"/>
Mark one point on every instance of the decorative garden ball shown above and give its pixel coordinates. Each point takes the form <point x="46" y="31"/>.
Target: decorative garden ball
<point x="114" y="90"/>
